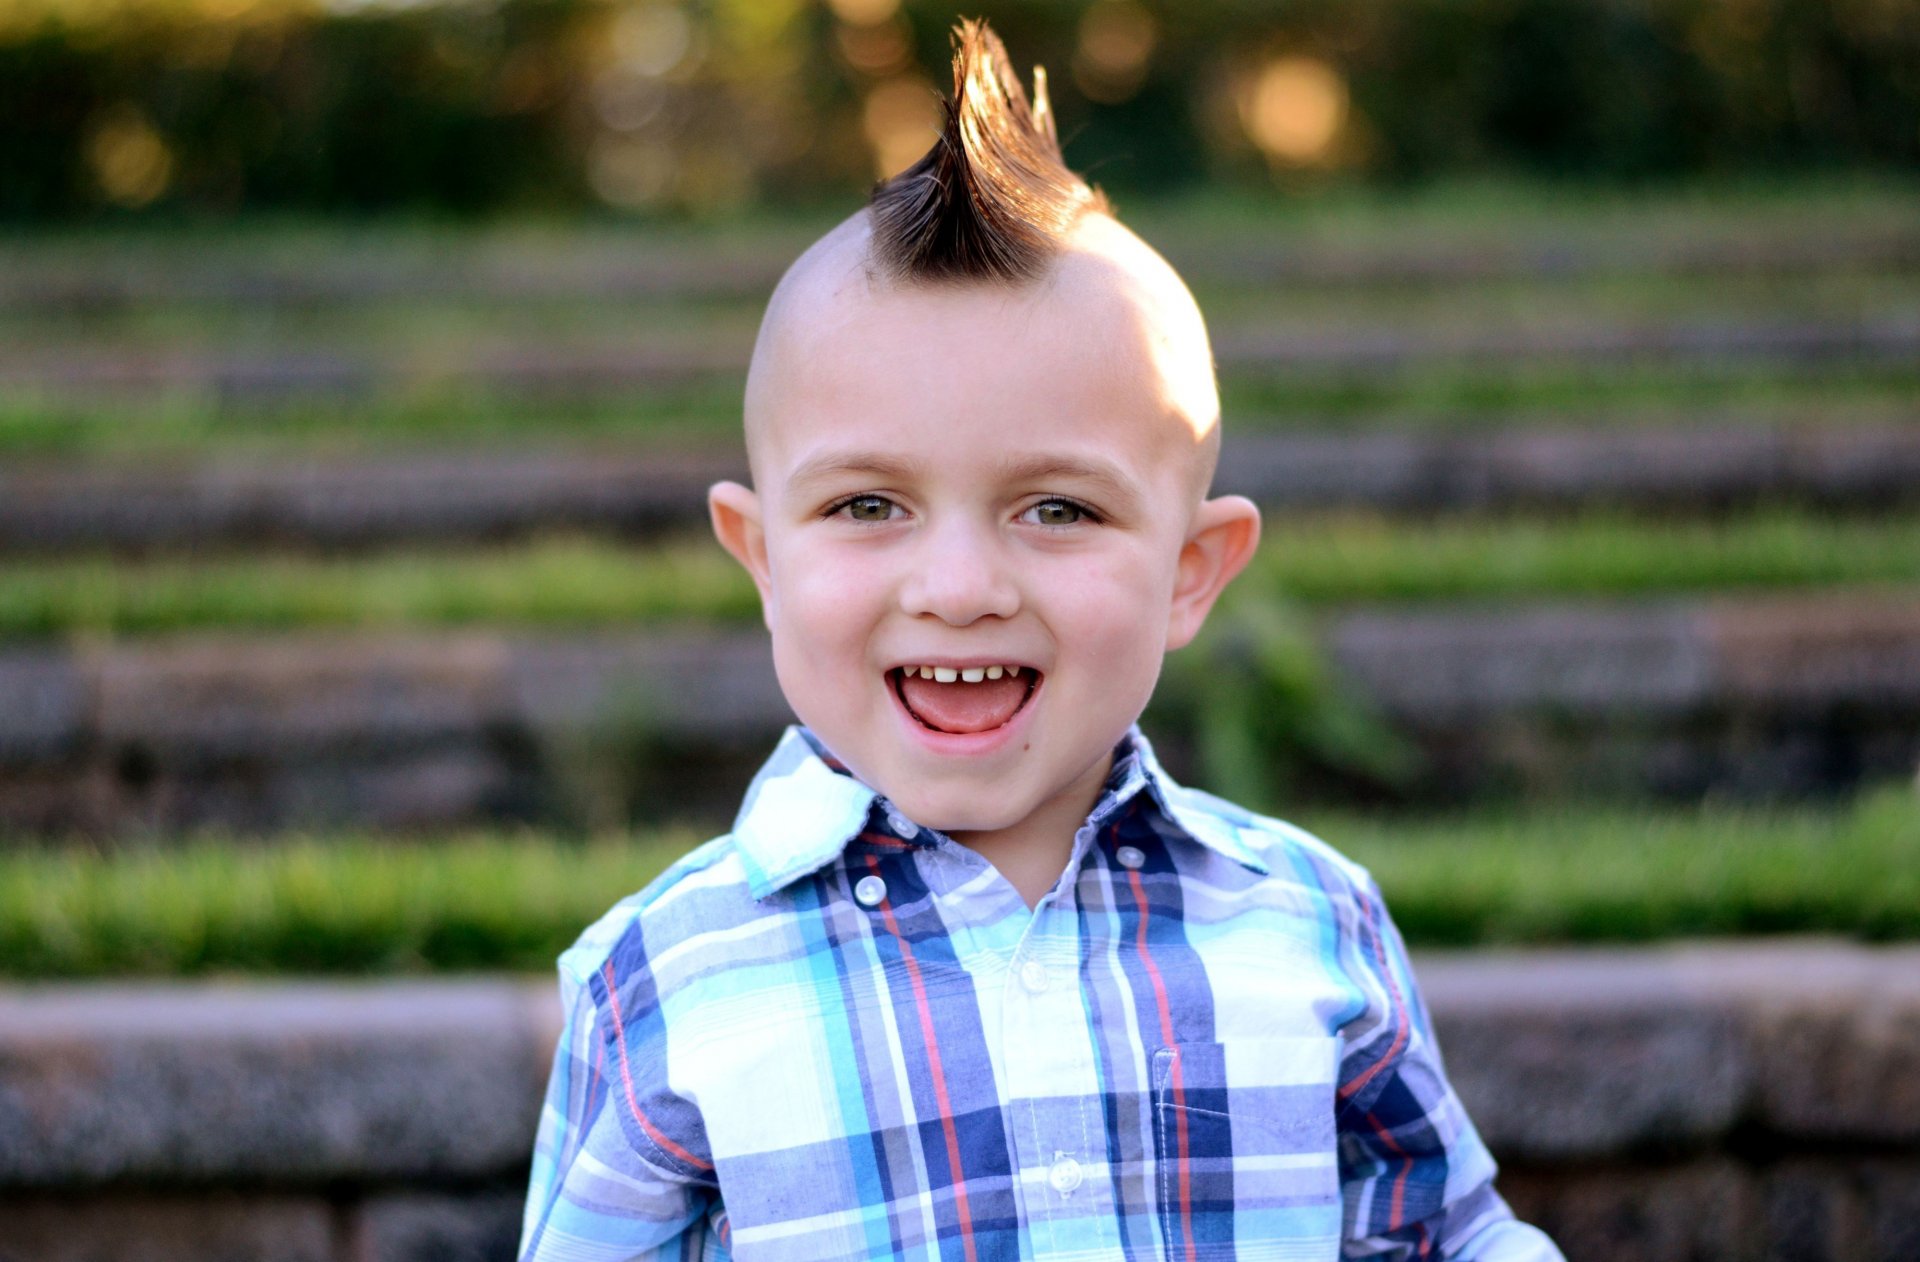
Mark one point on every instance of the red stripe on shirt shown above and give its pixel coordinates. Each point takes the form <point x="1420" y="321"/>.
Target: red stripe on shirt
<point x="1175" y="1081"/>
<point x="1397" y="1210"/>
<point x="626" y="1075"/>
<point x="939" y="1072"/>
<point x="1399" y="1008"/>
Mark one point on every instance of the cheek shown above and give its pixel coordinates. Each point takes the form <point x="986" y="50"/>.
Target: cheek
<point x="1116" y="608"/>
<point x="823" y="596"/>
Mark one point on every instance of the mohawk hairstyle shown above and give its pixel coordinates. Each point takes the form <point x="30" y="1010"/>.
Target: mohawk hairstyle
<point x="993" y="199"/>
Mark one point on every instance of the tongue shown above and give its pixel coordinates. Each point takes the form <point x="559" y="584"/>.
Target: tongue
<point x="962" y="707"/>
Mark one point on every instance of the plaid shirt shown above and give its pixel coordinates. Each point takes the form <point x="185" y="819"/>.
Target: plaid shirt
<point x="833" y="1034"/>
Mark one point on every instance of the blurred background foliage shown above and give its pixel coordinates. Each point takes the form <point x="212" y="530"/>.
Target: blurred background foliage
<point x="461" y="107"/>
<point x="363" y="365"/>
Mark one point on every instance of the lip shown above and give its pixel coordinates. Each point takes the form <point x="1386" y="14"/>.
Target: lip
<point x="965" y="744"/>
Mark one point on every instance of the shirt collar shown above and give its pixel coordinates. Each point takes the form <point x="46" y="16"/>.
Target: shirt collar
<point x="804" y="806"/>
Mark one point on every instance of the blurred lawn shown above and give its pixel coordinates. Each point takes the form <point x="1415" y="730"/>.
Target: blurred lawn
<point x="1439" y="396"/>
<point x="354" y="903"/>
<point x="578" y="582"/>
<point x="420" y="306"/>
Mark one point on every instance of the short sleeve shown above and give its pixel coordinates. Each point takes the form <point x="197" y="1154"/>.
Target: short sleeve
<point x="602" y="1187"/>
<point x="1416" y="1180"/>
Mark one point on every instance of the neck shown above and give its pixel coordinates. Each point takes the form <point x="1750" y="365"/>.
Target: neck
<point x="1034" y="852"/>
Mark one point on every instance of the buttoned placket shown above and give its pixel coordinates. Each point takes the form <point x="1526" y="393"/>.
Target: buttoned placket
<point x="1048" y="1058"/>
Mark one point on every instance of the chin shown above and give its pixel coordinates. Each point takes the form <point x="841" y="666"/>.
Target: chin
<point x="943" y="817"/>
<point x="956" y="813"/>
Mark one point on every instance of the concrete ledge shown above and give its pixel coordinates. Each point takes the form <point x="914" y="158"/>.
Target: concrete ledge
<point x="489" y="494"/>
<point x="1772" y="695"/>
<point x="1745" y="1102"/>
<point x="1563" y="1055"/>
<point x="621" y="265"/>
<point x="584" y="369"/>
<point x="215" y="695"/>
<point x="1595" y="1054"/>
<point x="144" y="1227"/>
<point x="296" y="1083"/>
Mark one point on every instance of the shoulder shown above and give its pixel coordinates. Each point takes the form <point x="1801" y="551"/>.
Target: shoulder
<point x="700" y="901"/>
<point x="1288" y="854"/>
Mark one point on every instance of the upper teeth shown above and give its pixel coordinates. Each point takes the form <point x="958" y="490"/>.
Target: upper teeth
<point x="971" y="674"/>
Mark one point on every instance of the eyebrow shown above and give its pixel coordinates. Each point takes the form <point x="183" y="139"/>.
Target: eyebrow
<point x="1105" y="477"/>
<point x="831" y="463"/>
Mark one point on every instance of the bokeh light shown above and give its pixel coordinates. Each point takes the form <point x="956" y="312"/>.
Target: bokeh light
<point x="881" y="50"/>
<point x="901" y="119"/>
<point x="652" y="39"/>
<point x="631" y="172"/>
<point x="864" y="12"/>
<point x="128" y="158"/>
<point x="1295" y="108"/>
<point x="1116" y="42"/>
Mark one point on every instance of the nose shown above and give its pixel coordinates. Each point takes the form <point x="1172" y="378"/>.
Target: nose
<point x="960" y="574"/>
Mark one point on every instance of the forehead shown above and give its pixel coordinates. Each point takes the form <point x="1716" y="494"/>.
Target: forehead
<point x="1105" y="355"/>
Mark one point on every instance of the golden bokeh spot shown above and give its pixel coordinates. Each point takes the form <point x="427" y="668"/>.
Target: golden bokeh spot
<point x="876" y="50"/>
<point x="1294" y="108"/>
<point x="631" y="172"/>
<point x="129" y="160"/>
<point x="1117" y="37"/>
<point x="864" y="12"/>
<point x="652" y="39"/>
<point x="901" y="119"/>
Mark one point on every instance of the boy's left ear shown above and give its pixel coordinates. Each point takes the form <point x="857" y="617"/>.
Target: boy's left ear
<point x="1225" y="533"/>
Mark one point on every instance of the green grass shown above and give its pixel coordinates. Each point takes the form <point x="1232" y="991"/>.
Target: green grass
<point x="1577" y="875"/>
<point x="412" y="329"/>
<point x="564" y="582"/>
<point x="1440" y="397"/>
<point x="355" y="904"/>
<point x="185" y="425"/>
<point x="428" y="305"/>
<point x="1502" y="212"/>
<point x="1372" y="558"/>
<point x="1452" y="214"/>
<point x="313" y="905"/>
<point x="573" y="582"/>
<point x="1464" y="396"/>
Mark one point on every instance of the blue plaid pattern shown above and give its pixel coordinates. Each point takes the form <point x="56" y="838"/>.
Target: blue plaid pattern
<point x="832" y="1034"/>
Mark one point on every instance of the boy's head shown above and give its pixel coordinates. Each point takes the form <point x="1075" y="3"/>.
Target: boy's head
<point x="981" y="419"/>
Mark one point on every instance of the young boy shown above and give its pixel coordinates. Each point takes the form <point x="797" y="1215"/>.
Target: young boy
<point x="972" y="978"/>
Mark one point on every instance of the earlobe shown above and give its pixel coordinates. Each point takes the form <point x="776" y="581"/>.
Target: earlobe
<point x="737" y="524"/>
<point x="1225" y="534"/>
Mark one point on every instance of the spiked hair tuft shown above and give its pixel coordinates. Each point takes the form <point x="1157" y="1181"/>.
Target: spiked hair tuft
<point x="993" y="199"/>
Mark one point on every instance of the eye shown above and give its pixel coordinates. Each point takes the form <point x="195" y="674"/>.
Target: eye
<point x="865" y="508"/>
<point x="1058" y="512"/>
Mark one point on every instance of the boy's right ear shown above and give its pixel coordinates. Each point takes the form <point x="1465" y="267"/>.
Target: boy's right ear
<point x="735" y="512"/>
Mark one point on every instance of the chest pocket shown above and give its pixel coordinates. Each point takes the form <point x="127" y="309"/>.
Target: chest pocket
<point x="1245" y="1142"/>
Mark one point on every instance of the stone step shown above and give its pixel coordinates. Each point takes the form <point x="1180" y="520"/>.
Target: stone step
<point x="1772" y="696"/>
<point x="562" y="370"/>
<point x="630" y="267"/>
<point x="1733" y="1102"/>
<point x="647" y="488"/>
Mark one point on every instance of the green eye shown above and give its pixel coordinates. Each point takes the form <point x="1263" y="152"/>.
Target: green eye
<point x="869" y="508"/>
<point x="1057" y="513"/>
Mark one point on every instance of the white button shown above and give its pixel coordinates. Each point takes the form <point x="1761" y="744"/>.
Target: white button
<point x="1033" y="975"/>
<point x="870" y="890"/>
<point x="1065" y="1175"/>
<point x="1130" y="856"/>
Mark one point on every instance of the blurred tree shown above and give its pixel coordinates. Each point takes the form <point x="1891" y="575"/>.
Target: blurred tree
<point x="481" y="106"/>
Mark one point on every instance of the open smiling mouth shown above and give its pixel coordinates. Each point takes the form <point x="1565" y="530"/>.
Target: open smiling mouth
<point x="963" y="701"/>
